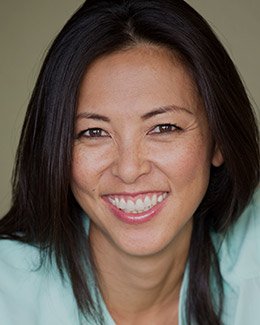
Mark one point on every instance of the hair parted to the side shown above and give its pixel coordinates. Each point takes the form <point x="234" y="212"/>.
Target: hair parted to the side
<point x="44" y="211"/>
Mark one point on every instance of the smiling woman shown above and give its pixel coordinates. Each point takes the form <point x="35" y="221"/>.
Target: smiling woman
<point x="120" y="165"/>
<point x="133" y="195"/>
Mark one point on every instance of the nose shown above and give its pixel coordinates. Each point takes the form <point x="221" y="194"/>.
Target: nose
<point x="131" y="163"/>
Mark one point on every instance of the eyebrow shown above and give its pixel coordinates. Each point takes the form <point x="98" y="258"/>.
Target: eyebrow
<point x="146" y="116"/>
<point x="165" y="109"/>
<point x="93" y="116"/>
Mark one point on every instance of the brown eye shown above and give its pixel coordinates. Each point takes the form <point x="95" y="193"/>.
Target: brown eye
<point x="93" y="133"/>
<point x="165" y="128"/>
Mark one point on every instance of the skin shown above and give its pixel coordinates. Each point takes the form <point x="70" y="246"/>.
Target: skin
<point x="140" y="267"/>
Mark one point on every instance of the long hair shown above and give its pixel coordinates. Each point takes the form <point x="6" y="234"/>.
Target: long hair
<point x="44" y="211"/>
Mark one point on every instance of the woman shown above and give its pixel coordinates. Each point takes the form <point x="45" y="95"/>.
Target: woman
<point x="132" y="192"/>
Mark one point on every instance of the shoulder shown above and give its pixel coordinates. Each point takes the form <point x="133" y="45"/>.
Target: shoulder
<point x="240" y="249"/>
<point x="239" y="257"/>
<point x="16" y="256"/>
<point x="30" y="294"/>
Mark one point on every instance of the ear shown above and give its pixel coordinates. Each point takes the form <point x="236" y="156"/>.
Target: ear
<point x="217" y="158"/>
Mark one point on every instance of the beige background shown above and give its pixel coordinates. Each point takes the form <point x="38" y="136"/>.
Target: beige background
<point x="28" y="26"/>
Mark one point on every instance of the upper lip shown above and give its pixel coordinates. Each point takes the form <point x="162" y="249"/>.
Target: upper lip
<point x="134" y="194"/>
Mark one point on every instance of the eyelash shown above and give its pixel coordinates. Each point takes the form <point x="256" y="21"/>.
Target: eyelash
<point x="94" y="136"/>
<point x="163" y="129"/>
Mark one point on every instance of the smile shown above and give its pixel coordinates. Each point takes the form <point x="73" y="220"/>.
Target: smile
<point x="138" y="208"/>
<point x="138" y="204"/>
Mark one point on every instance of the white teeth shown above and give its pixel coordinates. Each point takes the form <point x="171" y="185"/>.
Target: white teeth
<point x="138" y="206"/>
<point x="111" y="200"/>
<point x="130" y="206"/>
<point x="147" y="202"/>
<point x="122" y="204"/>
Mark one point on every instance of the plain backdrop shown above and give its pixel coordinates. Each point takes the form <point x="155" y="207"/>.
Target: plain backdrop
<point x="27" y="28"/>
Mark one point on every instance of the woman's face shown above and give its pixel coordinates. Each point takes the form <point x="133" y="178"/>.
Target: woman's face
<point x="143" y="150"/>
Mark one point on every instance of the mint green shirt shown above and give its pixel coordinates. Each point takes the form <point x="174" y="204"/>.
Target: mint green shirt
<point x="29" y="297"/>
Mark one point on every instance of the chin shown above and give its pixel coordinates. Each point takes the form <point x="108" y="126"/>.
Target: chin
<point x="148" y="244"/>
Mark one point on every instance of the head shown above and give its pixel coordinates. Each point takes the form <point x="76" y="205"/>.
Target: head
<point x="101" y="28"/>
<point x="97" y="33"/>
<point x="141" y="133"/>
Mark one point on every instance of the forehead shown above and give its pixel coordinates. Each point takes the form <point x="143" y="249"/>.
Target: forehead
<point x="138" y="76"/>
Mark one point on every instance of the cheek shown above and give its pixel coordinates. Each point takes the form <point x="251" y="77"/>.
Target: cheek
<point x="193" y="164"/>
<point x="86" y="168"/>
<point x="185" y="163"/>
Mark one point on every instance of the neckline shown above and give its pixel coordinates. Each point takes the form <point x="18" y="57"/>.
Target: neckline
<point x="181" y="307"/>
<point x="182" y="298"/>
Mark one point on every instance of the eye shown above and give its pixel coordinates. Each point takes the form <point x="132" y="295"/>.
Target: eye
<point x="165" y="128"/>
<point x="93" y="133"/>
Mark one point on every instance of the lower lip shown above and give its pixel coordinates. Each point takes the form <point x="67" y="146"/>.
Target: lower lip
<point x="136" y="218"/>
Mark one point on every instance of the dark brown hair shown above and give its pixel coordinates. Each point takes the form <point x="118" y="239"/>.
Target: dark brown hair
<point x="44" y="211"/>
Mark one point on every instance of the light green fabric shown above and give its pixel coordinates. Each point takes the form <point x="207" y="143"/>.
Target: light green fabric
<point x="30" y="297"/>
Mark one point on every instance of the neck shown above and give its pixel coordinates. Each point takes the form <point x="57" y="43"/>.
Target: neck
<point x="134" y="287"/>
